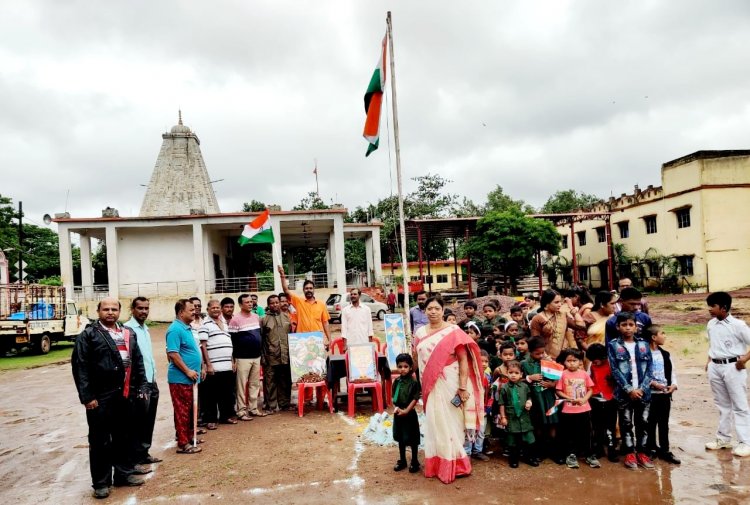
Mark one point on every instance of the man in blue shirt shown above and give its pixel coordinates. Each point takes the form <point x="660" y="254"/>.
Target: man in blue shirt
<point x="417" y="315"/>
<point x="630" y="301"/>
<point x="183" y="372"/>
<point x="145" y="408"/>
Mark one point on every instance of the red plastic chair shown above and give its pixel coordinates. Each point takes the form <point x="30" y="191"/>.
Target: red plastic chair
<point x="337" y="345"/>
<point x="375" y="387"/>
<point x="321" y="390"/>
<point x="386" y="383"/>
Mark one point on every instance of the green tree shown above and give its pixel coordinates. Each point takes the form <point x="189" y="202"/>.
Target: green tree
<point x="467" y="208"/>
<point x="508" y="242"/>
<point x="253" y="206"/>
<point x="430" y="200"/>
<point x="311" y="202"/>
<point x="40" y="244"/>
<point x="568" y="200"/>
<point x="498" y="201"/>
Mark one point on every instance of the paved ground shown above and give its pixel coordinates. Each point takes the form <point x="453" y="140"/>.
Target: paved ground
<point x="321" y="459"/>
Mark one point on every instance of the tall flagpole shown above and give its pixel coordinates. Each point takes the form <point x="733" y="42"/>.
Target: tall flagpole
<point x="402" y="224"/>
<point x="317" y="187"/>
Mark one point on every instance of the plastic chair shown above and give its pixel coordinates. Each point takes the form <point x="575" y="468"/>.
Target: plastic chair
<point x="386" y="383"/>
<point x="337" y="344"/>
<point x="321" y="390"/>
<point x="375" y="387"/>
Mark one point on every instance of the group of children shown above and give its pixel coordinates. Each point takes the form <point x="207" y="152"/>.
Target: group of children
<point x="537" y="409"/>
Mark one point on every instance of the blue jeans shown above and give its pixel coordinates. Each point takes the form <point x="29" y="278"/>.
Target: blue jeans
<point x="478" y="444"/>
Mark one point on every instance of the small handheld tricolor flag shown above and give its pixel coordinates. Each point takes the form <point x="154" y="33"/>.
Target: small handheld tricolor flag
<point x="551" y="370"/>
<point x="258" y="231"/>
<point x="374" y="101"/>
<point x="554" y="408"/>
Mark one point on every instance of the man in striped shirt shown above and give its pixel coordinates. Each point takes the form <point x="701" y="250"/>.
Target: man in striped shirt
<point x="218" y="400"/>
<point x="246" y="341"/>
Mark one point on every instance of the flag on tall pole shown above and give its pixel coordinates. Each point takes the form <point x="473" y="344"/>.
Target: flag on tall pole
<point x="374" y="101"/>
<point x="258" y="231"/>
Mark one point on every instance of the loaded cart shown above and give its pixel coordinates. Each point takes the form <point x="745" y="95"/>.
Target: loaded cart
<point x="36" y="316"/>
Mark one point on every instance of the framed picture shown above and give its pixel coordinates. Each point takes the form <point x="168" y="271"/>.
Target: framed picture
<point x="306" y="354"/>
<point x="362" y="363"/>
<point x="395" y="337"/>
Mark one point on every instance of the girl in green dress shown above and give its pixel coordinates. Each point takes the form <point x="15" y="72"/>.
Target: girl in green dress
<point x="405" y="422"/>
<point x="515" y="404"/>
<point x="543" y="397"/>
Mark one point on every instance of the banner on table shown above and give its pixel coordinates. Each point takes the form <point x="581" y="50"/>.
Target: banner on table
<point x="362" y="364"/>
<point x="307" y="354"/>
<point x="395" y="337"/>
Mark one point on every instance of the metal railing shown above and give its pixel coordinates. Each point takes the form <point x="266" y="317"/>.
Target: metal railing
<point x="157" y="289"/>
<point x="240" y="284"/>
<point x="94" y="292"/>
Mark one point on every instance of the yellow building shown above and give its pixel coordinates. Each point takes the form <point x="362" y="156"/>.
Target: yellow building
<point x="439" y="276"/>
<point x="695" y="227"/>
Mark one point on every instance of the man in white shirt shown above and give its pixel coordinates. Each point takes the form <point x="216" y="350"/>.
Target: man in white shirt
<point x="356" y="321"/>
<point x="728" y="341"/>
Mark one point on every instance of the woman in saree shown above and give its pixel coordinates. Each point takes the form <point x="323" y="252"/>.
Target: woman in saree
<point x="450" y="368"/>
<point x="604" y="307"/>
<point x="555" y="324"/>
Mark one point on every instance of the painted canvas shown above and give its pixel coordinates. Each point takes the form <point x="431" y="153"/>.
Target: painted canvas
<point x="307" y="354"/>
<point x="362" y="363"/>
<point x="395" y="337"/>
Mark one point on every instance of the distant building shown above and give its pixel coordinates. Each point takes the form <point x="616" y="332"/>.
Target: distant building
<point x="4" y="277"/>
<point x="698" y="220"/>
<point x="443" y="274"/>
<point x="181" y="245"/>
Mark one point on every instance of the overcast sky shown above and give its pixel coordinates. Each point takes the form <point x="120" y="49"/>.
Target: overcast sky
<point x="534" y="96"/>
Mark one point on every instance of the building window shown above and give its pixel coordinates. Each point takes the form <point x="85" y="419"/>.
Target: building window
<point x="583" y="274"/>
<point x="601" y="234"/>
<point x="564" y="240"/>
<point x="624" y="229"/>
<point x="683" y="218"/>
<point x="414" y="278"/>
<point x="650" y="224"/>
<point x="581" y="237"/>
<point x="686" y="265"/>
<point x="442" y="278"/>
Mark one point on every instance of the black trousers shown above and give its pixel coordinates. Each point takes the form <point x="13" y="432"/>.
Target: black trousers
<point x="658" y="419"/>
<point x="218" y="397"/>
<point x="110" y="439"/>
<point x="144" y="419"/>
<point x="633" y="415"/>
<point x="278" y="380"/>
<point x="604" y="424"/>
<point x="575" y="433"/>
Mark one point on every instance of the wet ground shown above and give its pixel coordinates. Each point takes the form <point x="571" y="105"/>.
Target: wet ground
<point x="320" y="458"/>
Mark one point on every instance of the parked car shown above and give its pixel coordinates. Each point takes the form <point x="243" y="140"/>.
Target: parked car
<point x="336" y="302"/>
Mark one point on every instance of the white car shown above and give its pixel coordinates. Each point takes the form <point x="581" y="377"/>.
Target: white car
<point x="335" y="304"/>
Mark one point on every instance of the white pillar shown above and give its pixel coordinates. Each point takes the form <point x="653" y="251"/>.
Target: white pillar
<point x="376" y="258"/>
<point x="330" y="263"/>
<point x="199" y="259"/>
<point x="290" y="262"/>
<point x="276" y="254"/>
<point x="87" y="276"/>
<point x="368" y="260"/>
<point x="66" y="260"/>
<point x="338" y="258"/>
<point x="113" y="271"/>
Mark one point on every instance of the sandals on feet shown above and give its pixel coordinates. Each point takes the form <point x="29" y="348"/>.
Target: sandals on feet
<point x="212" y="426"/>
<point x="246" y="418"/>
<point x="189" y="449"/>
<point x="231" y="420"/>
<point x="201" y="431"/>
<point x="258" y="413"/>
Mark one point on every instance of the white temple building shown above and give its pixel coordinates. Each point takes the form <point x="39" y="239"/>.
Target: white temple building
<point x="181" y="245"/>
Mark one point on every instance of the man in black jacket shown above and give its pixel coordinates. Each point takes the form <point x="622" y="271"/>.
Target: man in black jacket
<point x="108" y="369"/>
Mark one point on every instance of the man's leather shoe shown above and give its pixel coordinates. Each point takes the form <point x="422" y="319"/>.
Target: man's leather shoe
<point x="131" y="480"/>
<point x="101" y="492"/>
<point x="141" y="470"/>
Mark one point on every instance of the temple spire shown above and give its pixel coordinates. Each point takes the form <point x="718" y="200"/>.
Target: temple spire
<point x="179" y="116"/>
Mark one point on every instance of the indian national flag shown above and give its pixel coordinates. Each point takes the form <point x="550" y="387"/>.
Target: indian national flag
<point x="554" y="408"/>
<point x="373" y="102"/>
<point x="258" y="231"/>
<point x="551" y="370"/>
